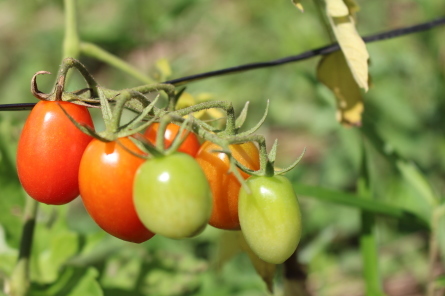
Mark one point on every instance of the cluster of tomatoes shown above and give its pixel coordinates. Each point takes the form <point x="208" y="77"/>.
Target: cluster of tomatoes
<point x="175" y="195"/>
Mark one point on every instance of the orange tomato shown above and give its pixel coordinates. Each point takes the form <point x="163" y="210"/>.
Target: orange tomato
<point x="224" y="185"/>
<point x="190" y="145"/>
<point x="106" y="178"/>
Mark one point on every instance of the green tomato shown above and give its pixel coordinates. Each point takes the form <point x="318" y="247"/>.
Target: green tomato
<point x="172" y="196"/>
<point x="270" y="217"/>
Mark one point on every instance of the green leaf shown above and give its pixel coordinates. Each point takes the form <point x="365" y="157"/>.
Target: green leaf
<point x="71" y="282"/>
<point x="87" y="285"/>
<point x="62" y="246"/>
<point x="12" y="197"/>
<point x="417" y="181"/>
<point x="352" y="200"/>
<point x="8" y="256"/>
<point x="53" y="244"/>
<point x="105" y="105"/>
<point x="242" y="116"/>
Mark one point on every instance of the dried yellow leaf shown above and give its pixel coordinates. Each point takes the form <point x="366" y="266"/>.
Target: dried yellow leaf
<point x="351" y="43"/>
<point x="334" y="72"/>
<point x="336" y="8"/>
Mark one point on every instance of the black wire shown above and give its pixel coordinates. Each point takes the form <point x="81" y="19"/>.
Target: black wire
<point x="252" y="66"/>
<point x="309" y="54"/>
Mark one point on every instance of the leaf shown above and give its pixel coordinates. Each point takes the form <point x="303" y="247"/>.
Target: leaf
<point x="87" y="285"/>
<point x="353" y="6"/>
<point x="71" y="282"/>
<point x="333" y="71"/>
<point x="264" y="269"/>
<point x="52" y="247"/>
<point x="298" y="5"/>
<point x="417" y="180"/>
<point x="351" y="43"/>
<point x="12" y="197"/>
<point x="336" y="8"/>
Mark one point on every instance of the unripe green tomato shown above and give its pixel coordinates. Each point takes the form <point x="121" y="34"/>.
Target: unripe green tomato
<point x="172" y="196"/>
<point x="270" y="217"/>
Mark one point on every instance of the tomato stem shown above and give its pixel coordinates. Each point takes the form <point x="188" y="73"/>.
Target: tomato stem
<point x="71" y="42"/>
<point x="18" y="284"/>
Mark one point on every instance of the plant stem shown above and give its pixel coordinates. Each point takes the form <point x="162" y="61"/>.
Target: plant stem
<point x="71" y="42"/>
<point x="368" y="241"/>
<point x="95" y="51"/>
<point x="19" y="282"/>
<point x="69" y="63"/>
<point x="433" y="254"/>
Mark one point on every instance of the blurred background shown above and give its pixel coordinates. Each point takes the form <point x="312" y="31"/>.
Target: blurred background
<point x="405" y="103"/>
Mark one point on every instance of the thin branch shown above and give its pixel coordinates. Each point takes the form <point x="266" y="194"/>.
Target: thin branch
<point x="247" y="67"/>
<point x="96" y="52"/>
<point x="71" y="41"/>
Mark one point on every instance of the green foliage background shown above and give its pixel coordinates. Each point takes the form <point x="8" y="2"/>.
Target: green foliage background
<point x="405" y="104"/>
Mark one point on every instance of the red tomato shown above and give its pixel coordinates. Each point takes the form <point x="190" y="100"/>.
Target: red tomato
<point x="189" y="146"/>
<point x="106" y="177"/>
<point x="225" y="187"/>
<point x="49" y="152"/>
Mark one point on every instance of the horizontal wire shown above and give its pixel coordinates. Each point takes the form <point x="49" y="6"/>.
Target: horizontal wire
<point x="290" y="59"/>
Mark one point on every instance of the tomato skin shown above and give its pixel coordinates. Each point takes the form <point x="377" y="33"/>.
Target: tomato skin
<point x="106" y="177"/>
<point x="172" y="196"/>
<point x="49" y="151"/>
<point x="225" y="187"/>
<point x="270" y="217"/>
<point x="190" y="145"/>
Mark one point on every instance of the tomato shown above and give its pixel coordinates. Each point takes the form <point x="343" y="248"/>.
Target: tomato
<point x="270" y="217"/>
<point x="190" y="145"/>
<point x="106" y="177"/>
<point x="225" y="187"/>
<point x="172" y="196"/>
<point x="49" y="151"/>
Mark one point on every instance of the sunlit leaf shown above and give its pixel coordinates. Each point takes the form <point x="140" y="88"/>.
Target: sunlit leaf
<point x="88" y="284"/>
<point x="333" y="71"/>
<point x="336" y="8"/>
<point x="351" y="43"/>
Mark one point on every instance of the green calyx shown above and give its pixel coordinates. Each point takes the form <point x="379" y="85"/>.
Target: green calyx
<point x="113" y="102"/>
